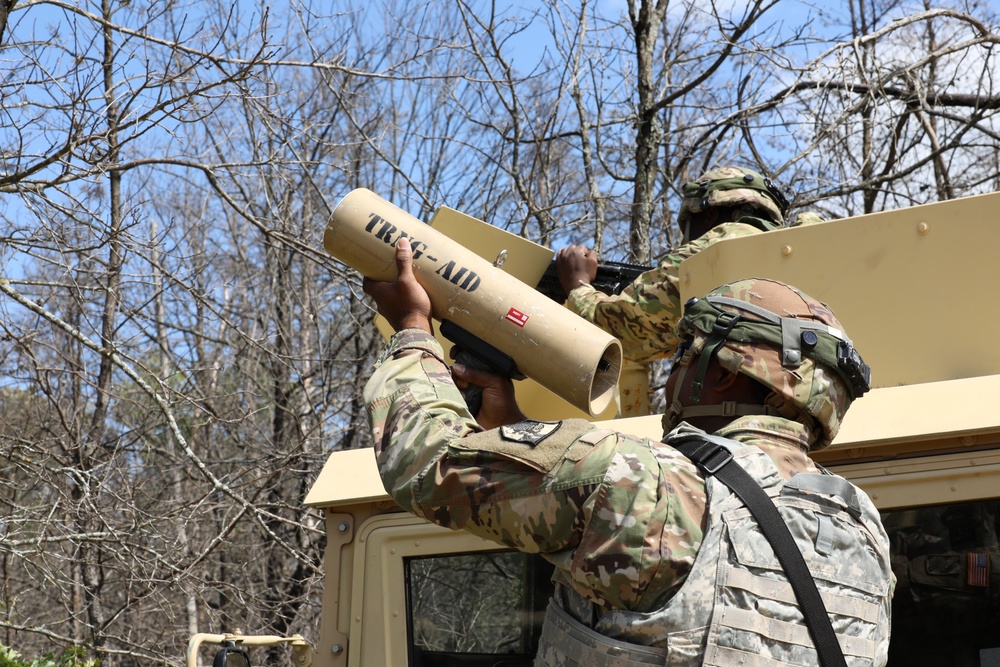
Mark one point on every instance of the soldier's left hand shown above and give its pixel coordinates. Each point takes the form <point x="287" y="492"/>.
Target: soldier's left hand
<point x="499" y="407"/>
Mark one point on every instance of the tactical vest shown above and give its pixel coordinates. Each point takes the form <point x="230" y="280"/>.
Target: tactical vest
<point x="736" y="607"/>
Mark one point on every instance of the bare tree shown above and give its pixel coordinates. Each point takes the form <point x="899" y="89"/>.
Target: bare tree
<point x="178" y="354"/>
<point x="902" y="112"/>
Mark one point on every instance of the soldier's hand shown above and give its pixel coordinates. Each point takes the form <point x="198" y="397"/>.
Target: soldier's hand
<point x="403" y="302"/>
<point x="577" y="265"/>
<point x="499" y="407"/>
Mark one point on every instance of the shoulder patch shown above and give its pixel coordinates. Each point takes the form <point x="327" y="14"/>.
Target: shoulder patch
<point x="529" y="431"/>
<point x="540" y="445"/>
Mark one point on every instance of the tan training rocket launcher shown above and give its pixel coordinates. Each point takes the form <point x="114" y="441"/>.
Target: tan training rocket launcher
<point x="558" y="349"/>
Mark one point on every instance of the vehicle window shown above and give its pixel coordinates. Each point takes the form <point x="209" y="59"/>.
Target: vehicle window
<point x="476" y="609"/>
<point x="486" y="608"/>
<point x="946" y="610"/>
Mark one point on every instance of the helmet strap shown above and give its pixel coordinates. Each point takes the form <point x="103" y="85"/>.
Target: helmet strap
<point x="720" y="330"/>
<point x="792" y="328"/>
<point x="676" y="412"/>
<point x="727" y="409"/>
<point x="681" y="365"/>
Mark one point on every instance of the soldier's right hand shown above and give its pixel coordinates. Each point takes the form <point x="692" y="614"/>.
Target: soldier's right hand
<point x="577" y="265"/>
<point x="403" y="302"/>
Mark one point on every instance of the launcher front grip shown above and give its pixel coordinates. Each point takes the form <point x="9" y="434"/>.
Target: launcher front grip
<point x="561" y="351"/>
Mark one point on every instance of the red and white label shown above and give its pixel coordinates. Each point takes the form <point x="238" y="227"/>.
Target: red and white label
<point x="517" y="317"/>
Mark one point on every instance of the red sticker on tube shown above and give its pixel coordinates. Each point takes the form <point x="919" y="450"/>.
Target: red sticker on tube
<point x="517" y="317"/>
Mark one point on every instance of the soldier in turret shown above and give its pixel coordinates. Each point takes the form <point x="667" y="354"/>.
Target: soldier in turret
<point x="723" y="203"/>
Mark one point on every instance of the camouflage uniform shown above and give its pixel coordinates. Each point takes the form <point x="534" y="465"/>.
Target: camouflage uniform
<point x="735" y="607"/>
<point x="562" y="497"/>
<point x="646" y="312"/>
<point x="644" y="315"/>
<point x="621" y="518"/>
<point x="640" y="542"/>
<point x="806" y="218"/>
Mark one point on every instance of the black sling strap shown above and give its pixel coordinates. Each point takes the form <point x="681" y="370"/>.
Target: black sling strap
<point x="714" y="459"/>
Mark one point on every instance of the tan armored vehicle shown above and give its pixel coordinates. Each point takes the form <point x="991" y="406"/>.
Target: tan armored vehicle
<point x="917" y="290"/>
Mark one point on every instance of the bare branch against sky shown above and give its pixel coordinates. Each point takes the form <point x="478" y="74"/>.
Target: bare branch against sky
<point x="177" y="353"/>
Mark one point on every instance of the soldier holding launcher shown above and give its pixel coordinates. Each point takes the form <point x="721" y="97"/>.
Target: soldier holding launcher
<point x="657" y="560"/>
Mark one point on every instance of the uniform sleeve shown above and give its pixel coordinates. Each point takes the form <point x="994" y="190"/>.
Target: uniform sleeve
<point x="610" y="511"/>
<point x="415" y="410"/>
<point x="645" y="315"/>
<point x="436" y="462"/>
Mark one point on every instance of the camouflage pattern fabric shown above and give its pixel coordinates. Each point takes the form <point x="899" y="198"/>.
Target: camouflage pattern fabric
<point x="806" y="218"/>
<point x="811" y="392"/>
<point x="733" y="186"/>
<point x="643" y="317"/>
<point x="565" y="642"/>
<point x="736" y="607"/>
<point x="620" y="517"/>
<point x="737" y="575"/>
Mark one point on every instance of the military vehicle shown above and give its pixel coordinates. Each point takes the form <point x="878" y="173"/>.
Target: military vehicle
<point x="916" y="290"/>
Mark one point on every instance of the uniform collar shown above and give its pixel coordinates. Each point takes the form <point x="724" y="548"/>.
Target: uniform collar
<point x="781" y="438"/>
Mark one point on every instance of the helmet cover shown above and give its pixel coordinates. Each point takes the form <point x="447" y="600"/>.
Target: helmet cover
<point x="785" y="340"/>
<point x="806" y="218"/>
<point x="733" y="186"/>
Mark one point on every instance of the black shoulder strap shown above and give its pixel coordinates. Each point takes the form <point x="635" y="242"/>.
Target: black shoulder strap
<point x="714" y="459"/>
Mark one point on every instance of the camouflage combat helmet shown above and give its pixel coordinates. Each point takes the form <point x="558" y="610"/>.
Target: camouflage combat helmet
<point x="806" y="218"/>
<point x="733" y="186"/>
<point x="783" y="339"/>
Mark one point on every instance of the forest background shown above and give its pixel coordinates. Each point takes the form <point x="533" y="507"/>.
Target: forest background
<point x="178" y="355"/>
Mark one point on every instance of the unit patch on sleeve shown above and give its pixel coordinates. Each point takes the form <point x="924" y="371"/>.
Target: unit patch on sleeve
<point x="529" y="431"/>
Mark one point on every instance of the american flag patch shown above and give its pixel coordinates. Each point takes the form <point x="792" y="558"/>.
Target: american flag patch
<point x="979" y="569"/>
<point x="517" y="317"/>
